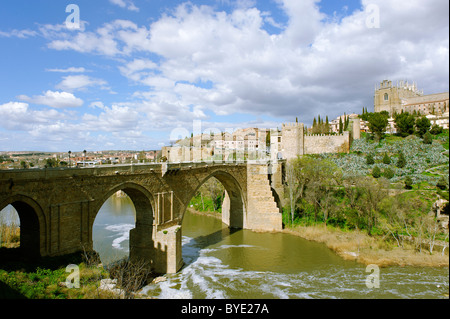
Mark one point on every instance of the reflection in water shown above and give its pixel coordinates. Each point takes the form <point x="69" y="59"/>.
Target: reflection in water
<point x="112" y="227"/>
<point x="222" y="263"/>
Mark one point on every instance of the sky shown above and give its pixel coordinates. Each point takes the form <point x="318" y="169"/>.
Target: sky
<point x="138" y="74"/>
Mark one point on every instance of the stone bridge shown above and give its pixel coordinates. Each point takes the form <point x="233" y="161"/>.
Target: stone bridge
<point x="57" y="207"/>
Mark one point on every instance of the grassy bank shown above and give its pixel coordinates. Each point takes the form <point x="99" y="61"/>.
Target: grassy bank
<point x="47" y="278"/>
<point x="358" y="245"/>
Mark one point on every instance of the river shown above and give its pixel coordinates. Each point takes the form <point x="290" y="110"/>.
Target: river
<point x="225" y="264"/>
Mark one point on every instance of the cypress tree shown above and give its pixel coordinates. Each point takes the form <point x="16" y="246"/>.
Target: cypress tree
<point x="401" y="160"/>
<point x="386" y="159"/>
<point x="376" y="172"/>
<point x="340" y="125"/>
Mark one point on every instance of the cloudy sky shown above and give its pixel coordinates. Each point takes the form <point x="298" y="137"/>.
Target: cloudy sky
<point x="129" y="73"/>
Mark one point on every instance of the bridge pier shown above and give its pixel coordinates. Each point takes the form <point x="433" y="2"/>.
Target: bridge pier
<point x="168" y="250"/>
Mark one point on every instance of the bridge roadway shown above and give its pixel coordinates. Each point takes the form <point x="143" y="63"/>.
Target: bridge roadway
<point x="57" y="207"/>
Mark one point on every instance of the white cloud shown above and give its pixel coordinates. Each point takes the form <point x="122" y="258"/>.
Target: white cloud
<point x="17" y="116"/>
<point x="125" y="4"/>
<point x="68" y="70"/>
<point x="54" y="99"/>
<point x="22" y="34"/>
<point x="80" y="82"/>
<point x="116" y="118"/>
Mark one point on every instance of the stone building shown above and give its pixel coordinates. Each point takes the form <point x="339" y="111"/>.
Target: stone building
<point x="251" y="144"/>
<point x="406" y="97"/>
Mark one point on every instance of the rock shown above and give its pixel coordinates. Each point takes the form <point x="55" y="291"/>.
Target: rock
<point x="159" y="279"/>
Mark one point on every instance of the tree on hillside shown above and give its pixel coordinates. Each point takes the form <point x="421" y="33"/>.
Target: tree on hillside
<point x="427" y="138"/>
<point x="404" y="123"/>
<point x="374" y="192"/>
<point x="401" y="160"/>
<point x="423" y="125"/>
<point x="386" y="159"/>
<point x="377" y="124"/>
<point x="436" y="129"/>
<point x="324" y="175"/>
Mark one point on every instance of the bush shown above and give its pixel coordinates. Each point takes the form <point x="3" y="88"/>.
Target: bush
<point x="401" y="160"/>
<point x="376" y="172"/>
<point x="436" y="129"/>
<point x="408" y="182"/>
<point x="388" y="173"/>
<point x="386" y="159"/>
<point x="427" y="138"/>
<point x="442" y="183"/>
<point x="370" y="160"/>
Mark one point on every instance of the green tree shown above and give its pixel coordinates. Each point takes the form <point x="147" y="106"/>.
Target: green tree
<point x="436" y="129"/>
<point x="442" y="183"/>
<point x="373" y="194"/>
<point x="408" y="182"/>
<point x="376" y="172"/>
<point x="323" y="177"/>
<point x="386" y="159"/>
<point x="427" y="138"/>
<point x="51" y="162"/>
<point x="378" y="123"/>
<point x="388" y="173"/>
<point x="404" y="123"/>
<point x="423" y="125"/>
<point x="401" y="160"/>
<point x="369" y="159"/>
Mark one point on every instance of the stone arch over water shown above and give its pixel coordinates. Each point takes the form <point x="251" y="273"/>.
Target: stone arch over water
<point x="33" y="226"/>
<point x="141" y="236"/>
<point x="233" y="208"/>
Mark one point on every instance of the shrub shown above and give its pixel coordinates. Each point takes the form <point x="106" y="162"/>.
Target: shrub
<point x="427" y="138"/>
<point x="436" y="129"/>
<point x="370" y="160"/>
<point x="408" y="182"/>
<point x="386" y="159"/>
<point x="376" y="172"/>
<point x="442" y="183"/>
<point x="401" y="160"/>
<point x="388" y="173"/>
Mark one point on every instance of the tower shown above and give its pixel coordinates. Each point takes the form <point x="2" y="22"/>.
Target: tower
<point x="292" y="143"/>
<point x="390" y="98"/>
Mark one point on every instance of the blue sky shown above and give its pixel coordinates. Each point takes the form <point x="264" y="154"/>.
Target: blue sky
<point x="136" y="70"/>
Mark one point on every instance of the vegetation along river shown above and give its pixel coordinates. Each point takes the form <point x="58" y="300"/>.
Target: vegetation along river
<point x="223" y="263"/>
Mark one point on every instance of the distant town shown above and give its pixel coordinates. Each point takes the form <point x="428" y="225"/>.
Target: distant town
<point x="27" y="159"/>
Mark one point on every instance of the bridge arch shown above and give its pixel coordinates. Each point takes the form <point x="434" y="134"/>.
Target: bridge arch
<point x="234" y="206"/>
<point x="141" y="242"/>
<point x="33" y="226"/>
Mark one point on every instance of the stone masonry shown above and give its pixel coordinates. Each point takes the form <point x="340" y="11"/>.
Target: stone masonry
<point x="57" y="207"/>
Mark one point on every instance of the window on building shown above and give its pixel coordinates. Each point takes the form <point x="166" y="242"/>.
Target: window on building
<point x="386" y="97"/>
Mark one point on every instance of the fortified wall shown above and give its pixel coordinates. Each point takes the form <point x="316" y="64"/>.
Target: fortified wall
<point x="293" y="141"/>
<point x="321" y="143"/>
<point x="289" y="142"/>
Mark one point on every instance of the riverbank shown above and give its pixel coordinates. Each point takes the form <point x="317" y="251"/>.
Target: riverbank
<point x="358" y="246"/>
